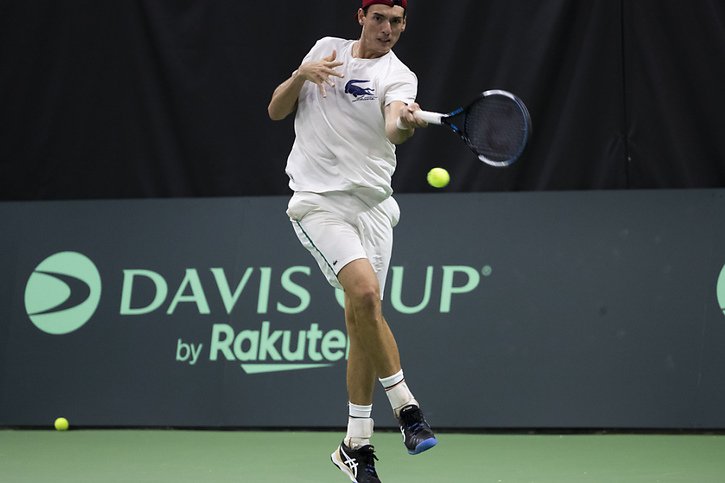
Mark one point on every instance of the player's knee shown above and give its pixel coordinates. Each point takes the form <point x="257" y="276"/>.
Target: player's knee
<point x="366" y="300"/>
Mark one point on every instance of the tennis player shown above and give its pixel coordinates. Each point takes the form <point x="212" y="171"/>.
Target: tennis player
<point x="354" y="101"/>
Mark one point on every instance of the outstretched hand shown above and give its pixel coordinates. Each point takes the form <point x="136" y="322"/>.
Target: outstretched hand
<point x="321" y="72"/>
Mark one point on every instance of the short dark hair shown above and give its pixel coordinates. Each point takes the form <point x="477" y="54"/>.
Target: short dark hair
<point x="365" y="11"/>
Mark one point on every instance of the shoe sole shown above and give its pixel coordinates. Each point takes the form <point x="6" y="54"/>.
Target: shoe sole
<point x="335" y="458"/>
<point x="424" y="446"/>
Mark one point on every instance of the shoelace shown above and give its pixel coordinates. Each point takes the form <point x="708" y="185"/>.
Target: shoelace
<point x="413" y="421"/>
<point x="416" y="428"/>
<point x="368" y="459"/>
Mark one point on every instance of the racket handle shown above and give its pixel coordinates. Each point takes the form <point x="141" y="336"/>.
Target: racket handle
<point x="430" y="117"/>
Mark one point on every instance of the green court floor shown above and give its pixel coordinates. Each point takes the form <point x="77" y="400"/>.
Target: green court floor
<point x="210" y="456"/>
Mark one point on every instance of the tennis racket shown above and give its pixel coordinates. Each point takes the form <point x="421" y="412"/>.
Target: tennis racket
<point x="496" y="126"/>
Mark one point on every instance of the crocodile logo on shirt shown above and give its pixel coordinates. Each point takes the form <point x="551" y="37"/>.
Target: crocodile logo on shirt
<point x="358" y="92"/>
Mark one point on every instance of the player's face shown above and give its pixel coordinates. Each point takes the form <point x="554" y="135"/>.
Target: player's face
<point x="381" y="28"/>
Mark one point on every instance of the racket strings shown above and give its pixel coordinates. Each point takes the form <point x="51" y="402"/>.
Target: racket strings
<point x="496" y="128"/>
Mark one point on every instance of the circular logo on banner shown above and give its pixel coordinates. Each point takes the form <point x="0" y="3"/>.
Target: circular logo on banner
<point x="721" y="289"/>
<point x="63" y="293"/>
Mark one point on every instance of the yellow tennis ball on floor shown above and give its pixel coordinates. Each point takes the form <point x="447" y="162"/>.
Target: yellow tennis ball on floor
<point x="438" y="178"/>
<point x="61" y="424"/>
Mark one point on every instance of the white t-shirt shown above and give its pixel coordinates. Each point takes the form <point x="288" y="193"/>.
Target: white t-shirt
<point x="340" y="140"/>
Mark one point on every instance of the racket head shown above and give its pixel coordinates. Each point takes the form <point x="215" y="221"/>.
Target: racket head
<point x="496" y="126"/>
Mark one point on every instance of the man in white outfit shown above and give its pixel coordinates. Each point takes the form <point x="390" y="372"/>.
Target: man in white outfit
<point x="354" y="102"/>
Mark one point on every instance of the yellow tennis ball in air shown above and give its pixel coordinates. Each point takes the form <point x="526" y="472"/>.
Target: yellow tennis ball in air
<point x="438" y="178"/>
<point x="61" y="424"/>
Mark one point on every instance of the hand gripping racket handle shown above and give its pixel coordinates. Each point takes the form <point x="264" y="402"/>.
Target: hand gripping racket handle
<point x="430" y="117"/>
<point x="427" y="116"/>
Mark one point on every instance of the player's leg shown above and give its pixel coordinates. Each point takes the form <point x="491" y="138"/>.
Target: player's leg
<point x="367" y="327"/>
<point x="333" y="240"/>
<point x="361" y="372"/>
<point x="370" y="334"/>
<point x="361" y="377"/>
<point x="355" y="456"/>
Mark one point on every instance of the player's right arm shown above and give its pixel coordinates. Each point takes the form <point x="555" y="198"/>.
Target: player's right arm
<point x="285" y="96"/>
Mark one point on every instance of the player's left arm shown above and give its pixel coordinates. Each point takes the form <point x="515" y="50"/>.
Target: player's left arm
<point x="400" y="121"/>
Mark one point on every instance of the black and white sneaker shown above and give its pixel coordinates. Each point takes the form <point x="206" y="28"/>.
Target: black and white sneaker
<point x="417" y="435"/>
<point x="357" y="464"/>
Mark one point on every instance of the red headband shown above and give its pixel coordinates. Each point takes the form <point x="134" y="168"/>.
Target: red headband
<point x="389" y="3"/>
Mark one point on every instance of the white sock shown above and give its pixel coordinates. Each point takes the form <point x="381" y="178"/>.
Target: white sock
<point x="359" y="426"/>
<point x="358" y="411"/>
<point x="398" y="393"/>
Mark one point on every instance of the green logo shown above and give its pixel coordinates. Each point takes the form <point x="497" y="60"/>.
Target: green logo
<point x="63" y="293"/>
<point x="267" y="350"/>
<point x="721" y="289"/>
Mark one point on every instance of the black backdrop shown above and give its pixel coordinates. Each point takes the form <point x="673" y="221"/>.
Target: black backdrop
<point x="119" y="99"/>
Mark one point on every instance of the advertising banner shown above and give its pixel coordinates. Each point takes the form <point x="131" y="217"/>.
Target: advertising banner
<point x="521" y="310"/>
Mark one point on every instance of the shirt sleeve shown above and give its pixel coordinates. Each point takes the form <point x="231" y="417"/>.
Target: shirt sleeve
<point x="403" y="87"/>
<point x="322" y="48"/>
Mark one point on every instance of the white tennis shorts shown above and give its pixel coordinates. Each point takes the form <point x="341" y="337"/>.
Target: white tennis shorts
<point x="338" y="228"/>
